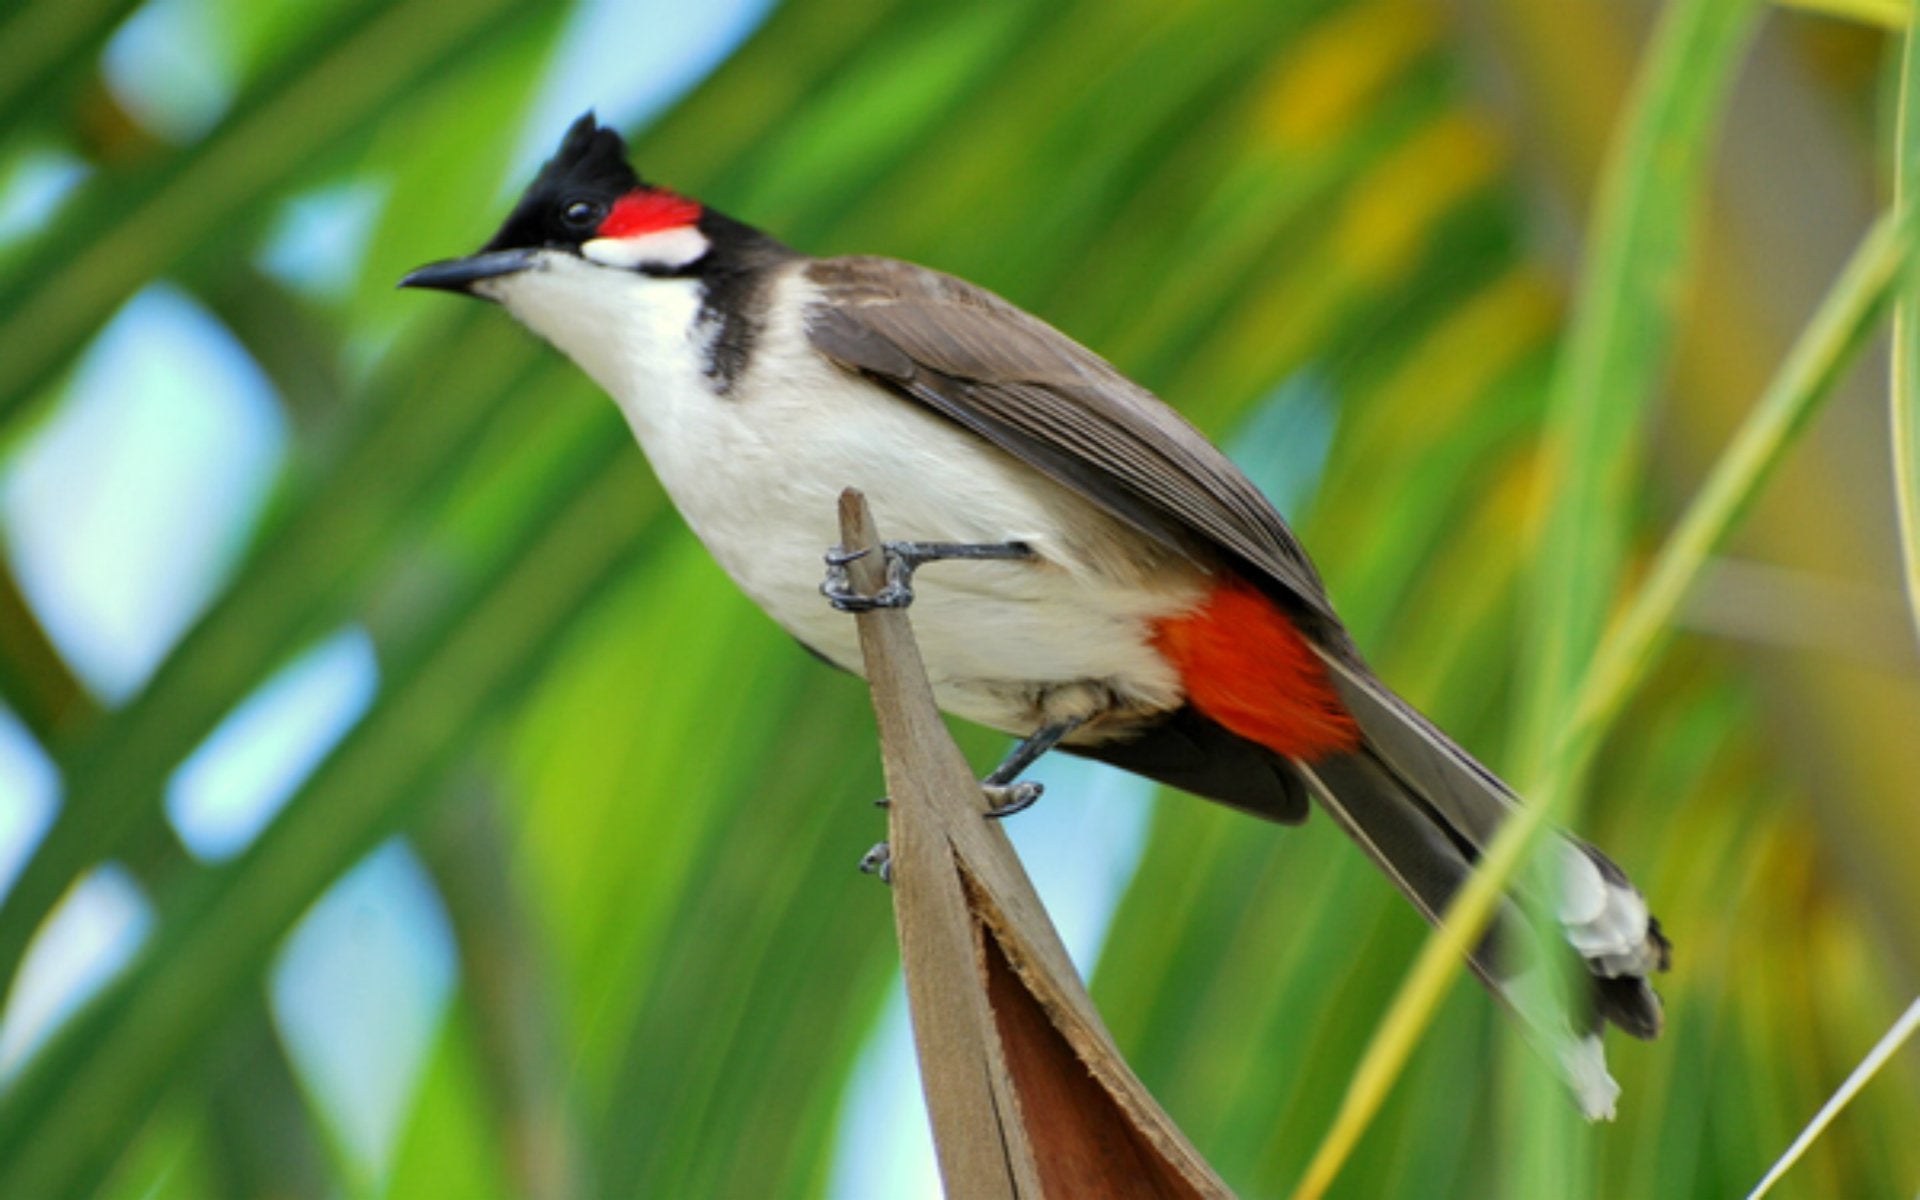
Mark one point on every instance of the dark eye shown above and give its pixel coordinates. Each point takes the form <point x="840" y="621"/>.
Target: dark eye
<point x="582" y="215"/>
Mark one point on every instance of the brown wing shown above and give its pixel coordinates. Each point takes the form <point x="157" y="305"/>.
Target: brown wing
<point x="1028" y="388"/>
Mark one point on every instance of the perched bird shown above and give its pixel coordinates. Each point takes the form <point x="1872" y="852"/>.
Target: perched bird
<point x="1126" y="594"/>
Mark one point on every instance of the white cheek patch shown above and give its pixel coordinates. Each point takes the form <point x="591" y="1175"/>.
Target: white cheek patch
<point x="668" y="249"/>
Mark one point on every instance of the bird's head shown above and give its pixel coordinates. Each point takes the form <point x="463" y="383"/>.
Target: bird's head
<point x="587" y="205"/>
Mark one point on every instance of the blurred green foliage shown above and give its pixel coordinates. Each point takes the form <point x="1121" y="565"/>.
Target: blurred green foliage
<point x="640" y="802"/>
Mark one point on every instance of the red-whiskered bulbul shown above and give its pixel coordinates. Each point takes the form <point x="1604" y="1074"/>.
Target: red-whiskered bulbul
<point x="1128" y="593"/>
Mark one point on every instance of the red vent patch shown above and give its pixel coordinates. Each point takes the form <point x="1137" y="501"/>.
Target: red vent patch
<point x="1245" y="665"/>
<point x="648" y="210"/>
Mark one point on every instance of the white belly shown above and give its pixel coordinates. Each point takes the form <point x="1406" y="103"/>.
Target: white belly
<point x="757" y="473"/>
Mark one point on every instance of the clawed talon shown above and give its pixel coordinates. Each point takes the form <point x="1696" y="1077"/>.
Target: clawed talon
<point x="837" y="587"/>
<point x="878" y="861"/>
<point x="1006" y="799"/>
<point x="1004" y="796"/>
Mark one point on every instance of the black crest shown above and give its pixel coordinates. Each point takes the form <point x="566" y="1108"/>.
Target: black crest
<point x="566" y="202"/>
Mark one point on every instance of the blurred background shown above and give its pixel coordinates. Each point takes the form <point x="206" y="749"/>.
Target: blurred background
<point x="394" y="801"/>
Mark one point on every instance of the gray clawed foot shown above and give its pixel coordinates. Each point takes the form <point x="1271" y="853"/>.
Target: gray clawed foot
<point x="1006" y="799"/>
<point x="837" y="587"/>
<point x="1004" y="796"/>
<point x="878" y="861"/>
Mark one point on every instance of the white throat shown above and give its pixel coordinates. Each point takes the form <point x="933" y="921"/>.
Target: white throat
<point x="640" y="337"/>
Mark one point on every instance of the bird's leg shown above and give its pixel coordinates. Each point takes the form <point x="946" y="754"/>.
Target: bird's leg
<point x="1004" y="796"/>
<point x="902" y="559"/>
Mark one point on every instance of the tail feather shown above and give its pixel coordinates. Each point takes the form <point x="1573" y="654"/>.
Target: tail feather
<point x="1396" y="830"/>
<point x="1425" y="811"/>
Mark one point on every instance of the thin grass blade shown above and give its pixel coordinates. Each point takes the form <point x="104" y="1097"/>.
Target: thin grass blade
<point x="1905" y="407"/>
<point x="1882" y="1051"/>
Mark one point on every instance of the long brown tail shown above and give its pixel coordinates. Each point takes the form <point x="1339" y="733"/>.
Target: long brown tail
<point x="1424" y="810"/>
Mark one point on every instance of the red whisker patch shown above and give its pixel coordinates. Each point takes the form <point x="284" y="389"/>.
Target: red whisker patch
<point x="1245" y="665"/>
<point x="648" y="210"/>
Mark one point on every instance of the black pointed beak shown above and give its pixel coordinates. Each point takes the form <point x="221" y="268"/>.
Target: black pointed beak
<point x="460" y="274"/>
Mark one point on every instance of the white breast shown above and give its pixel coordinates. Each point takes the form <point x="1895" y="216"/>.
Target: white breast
<point x="756" y="472"/>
